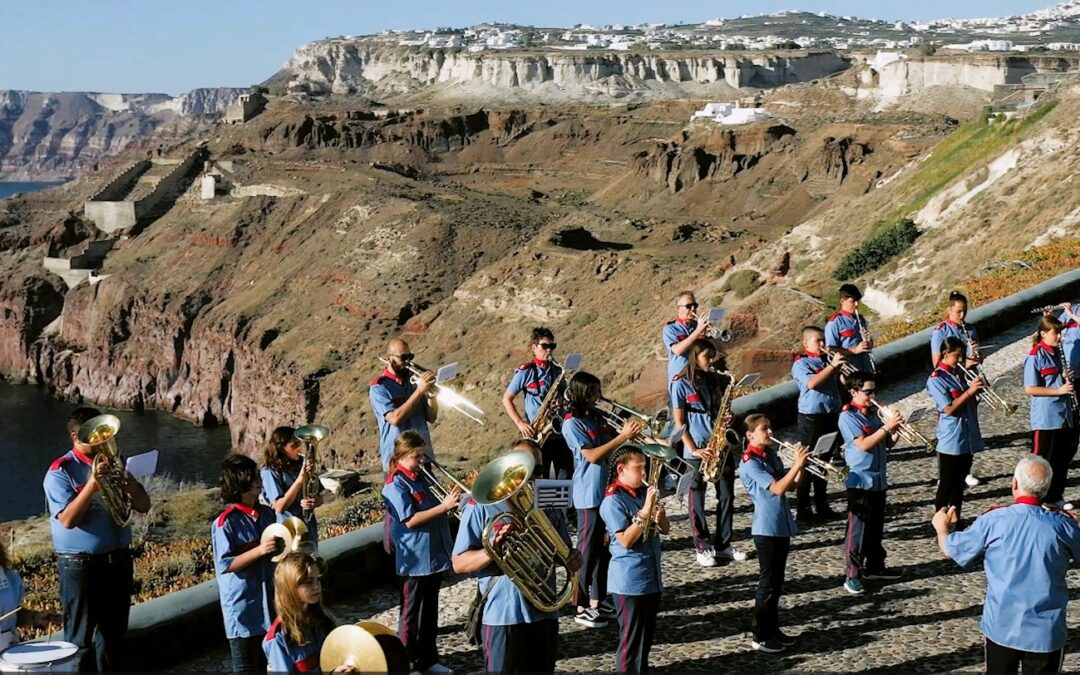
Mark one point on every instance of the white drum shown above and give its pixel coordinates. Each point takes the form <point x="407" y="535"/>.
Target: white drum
<point x="40" y="657"/>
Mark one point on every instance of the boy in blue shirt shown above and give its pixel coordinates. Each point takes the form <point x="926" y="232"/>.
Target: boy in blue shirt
<point x="680" y="333"/>
<point x="845" y="331"/>
<point x="1053" y="425"/>
<point x="819" y="409"/>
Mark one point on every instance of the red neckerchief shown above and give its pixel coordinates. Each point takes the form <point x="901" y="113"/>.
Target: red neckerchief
<point x="85" y="459"/>
<point x="614" y="487"/>
<point x="685" y="322"/>
<point x="411" y="475"/>
<point x="860" y="408"/>
<point x="850" y="315"/>
<point x="540" y="363"/>
<point x="1042" y="346"/>
<point x="1027" y="499"/>
<point x="952" y="323"/>
<point x="944" y="366"/>
<point x="392" y="375"/>
<point x="249" y="511"/>
<point x="813" y="355"/>
<point x="755" y="451"/>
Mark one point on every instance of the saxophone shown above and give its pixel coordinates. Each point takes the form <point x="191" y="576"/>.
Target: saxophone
<point x="723" y="438"/>
<point x="549" y="411"/>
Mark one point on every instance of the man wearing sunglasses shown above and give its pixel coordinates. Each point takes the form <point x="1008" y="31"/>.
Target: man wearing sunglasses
<point x="533" y="379"/>
<point x="399" y="404"/>
<point x="680" y="334"/>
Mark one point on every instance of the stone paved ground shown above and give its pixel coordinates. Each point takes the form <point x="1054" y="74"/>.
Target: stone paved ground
<point x="926" y="622"/>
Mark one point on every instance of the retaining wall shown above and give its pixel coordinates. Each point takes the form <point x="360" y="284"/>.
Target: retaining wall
<point x="118" y="187"/>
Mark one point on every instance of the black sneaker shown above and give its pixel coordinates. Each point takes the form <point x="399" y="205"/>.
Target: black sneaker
<point x="784" y="639"/>
<point x="767" y="646"/>
<point x="884" y="573"/>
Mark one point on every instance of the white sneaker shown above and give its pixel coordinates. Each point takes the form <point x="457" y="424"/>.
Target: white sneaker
<point x="439" y="669"/>
<point x="732" y="553"/>
<point x="1067" y="506"/>
<point x="971" y="480"/>
<point x="706" y="558"/>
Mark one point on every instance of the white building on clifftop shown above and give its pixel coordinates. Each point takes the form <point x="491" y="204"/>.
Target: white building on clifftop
<point x="730" y="114"/>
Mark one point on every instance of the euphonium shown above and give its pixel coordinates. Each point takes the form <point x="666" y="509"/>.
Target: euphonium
<point x="906" y="431"/>
<point x="437" y="487"/>
<point x="109" y="470"/>
<point x="814" y="466"/>
<point x="311" y="435"/>
<point x="723" y="437"/>
<point x="530" y="551"/>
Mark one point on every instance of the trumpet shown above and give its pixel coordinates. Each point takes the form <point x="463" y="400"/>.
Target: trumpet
<point x="815" y="467"/>
<point x="311" y="435"/>
<point x="714" y="332"/>
<point x="437" y="487"/>
<point x="987" y="394"/>
<point x="846" y="367"/>
<point x="444" y="395"/>
<point x="907" y="432"/>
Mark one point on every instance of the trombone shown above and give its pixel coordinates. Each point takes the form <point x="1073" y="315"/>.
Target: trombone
<point x="987" y="394"/>
<point x="816" y="467"/>
<point x="905" y="431"/>
<point x="616" y="414"/>
<point x="445" y="395"/>
<point x="438" y="488"/>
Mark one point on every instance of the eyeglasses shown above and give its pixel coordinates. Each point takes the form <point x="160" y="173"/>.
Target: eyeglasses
<point x="868" y="391"/>
<point x="408" y="356"/>
<point x="690" y="305"/>
<point x="547" y="345"/>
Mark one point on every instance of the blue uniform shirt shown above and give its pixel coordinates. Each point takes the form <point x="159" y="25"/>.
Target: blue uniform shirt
<point x="634" y="570"/>
<point x="247" y="595"/>
<point x="11" y="596"/>
<point x="957" y="434"/>
<point x="535" y="379"/>
<point x="1027" y="550"/>
<point x="824" y="399"/>
<point x="282" y="656"/>
<point x="866" y="469"/>
<point x="842" y="330"/>
<point x="388" y="393"/>
<point x="589" y="478"/>
<point x="421" y="550"/>
<point x="505" y="605"/>
<point x="697" y="404"/>
<point x="275" y="485"/>
<point x="1070" y="341"/>
<point x="675" y="332"/>
<point x="772" y="514"/>
<point x="1042" y="368"/>
<point x="948" y="328"/>
<point x="96" y="533"/>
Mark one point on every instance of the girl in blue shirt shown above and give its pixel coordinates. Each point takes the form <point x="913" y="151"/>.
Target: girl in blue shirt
<point x="958" y="427"/>
<point x="293" y="643"/>
<point x="422" y="543"/>
<point x="1052" y="424"/>
<point x="283" y="475"/>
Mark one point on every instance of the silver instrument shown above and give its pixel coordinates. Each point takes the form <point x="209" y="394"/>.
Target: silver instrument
<point x="1067" y="376"/>
<point x="864" y="333"/>
<point x="986" y="395"/>
<point x="814" y="466"/>
<point x="446" y="397"/>
<point x="438" y="488"/>
<point x="846" y="367"/>
<point x="615" y="415"/>
<point x="907" y="432"/>
<point x="1049" y="308"/>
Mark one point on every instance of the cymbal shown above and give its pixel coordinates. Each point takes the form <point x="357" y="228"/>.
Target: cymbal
<point x="291" y="532"/>
<point x="366" y="646"/>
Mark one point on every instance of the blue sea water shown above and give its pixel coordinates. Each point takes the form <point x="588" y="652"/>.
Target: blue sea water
<point x="8" y="189"/>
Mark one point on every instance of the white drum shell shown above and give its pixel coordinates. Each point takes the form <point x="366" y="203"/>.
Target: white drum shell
<point x="40" y="657"/>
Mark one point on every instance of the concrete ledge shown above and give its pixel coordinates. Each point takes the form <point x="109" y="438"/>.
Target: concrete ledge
<point x="912" y="353"/>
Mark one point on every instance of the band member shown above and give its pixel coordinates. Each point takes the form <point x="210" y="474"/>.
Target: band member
<point x="866" y="439"/>
<point x="296" y="637"/>
<point x="1052" y="424"/>
<point x="401" y="405"/>
<point x="695" y="402"/>
<point x="284" y="474"/>
<point x="682" y="332"/>
<point x="92" y="552"/>
<point x="634" y="579"/>
<point x="1026" y="552"/>
<point x="421" y="536"/>
<point x="819" y="410"/>
<point x="846" y="334"/>
<point x="516" y="636"/>
<point x="591" y="441"/>
<point x="533" y="379"/>
<point x="1070" y="338"/>
<point x="12" y="593"/>
<point x="957" y="429"/>
<point x="767" y="483"/>
<point x="955" y="326"/>
<point x="242" y="564"/>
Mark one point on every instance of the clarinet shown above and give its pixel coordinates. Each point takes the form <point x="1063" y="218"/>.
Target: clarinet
<point x="1074" y="402"/>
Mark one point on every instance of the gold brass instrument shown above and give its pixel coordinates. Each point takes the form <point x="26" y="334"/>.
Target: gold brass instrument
<point x="816" y="467"/>
<point x="658" y="457"/>
<point x="551" y="408"/>
<point x="367" y="647"/>
<point x="908" y="433"/>
<point x="109" y="469"/>
<point x="311" y="435"/>
<point x="437" y="487"/>
<point x="616" y="414"/>
<point x="290" y="531"/>
<point x="531" y="551"/>
<point x="723" y="439"/>
<point x="446" y="396"/>
<point x="864" y="332"/>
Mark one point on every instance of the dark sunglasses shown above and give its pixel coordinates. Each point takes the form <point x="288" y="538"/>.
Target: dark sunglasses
<point x="868" y="391"/>
<point x="408" y="356"/>
<point x="692" y="305"/>
<point x="547" y="345"/>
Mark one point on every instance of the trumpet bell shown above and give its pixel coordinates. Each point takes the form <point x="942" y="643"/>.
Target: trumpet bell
<point x="503" y="477"/>
<point x="98" y="430"/>
<point x="367" y="647"/>
<point x="311" y="433"/>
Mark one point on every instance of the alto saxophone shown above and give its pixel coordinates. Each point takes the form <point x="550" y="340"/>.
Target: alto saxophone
<point x="548" y="412"/>
<point x="723" y="438"/>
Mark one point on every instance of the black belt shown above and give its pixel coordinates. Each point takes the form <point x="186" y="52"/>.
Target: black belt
<point x="119" y="555"/>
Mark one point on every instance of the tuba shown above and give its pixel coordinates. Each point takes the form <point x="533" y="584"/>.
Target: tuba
<point x="723" y="437"/>
<point x="100" y="433"/>
<point x="311" y="435"/>
<point x="531" y="552"/>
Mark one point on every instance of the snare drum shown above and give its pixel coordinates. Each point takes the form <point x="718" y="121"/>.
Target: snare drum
<point x="38" y="657"/>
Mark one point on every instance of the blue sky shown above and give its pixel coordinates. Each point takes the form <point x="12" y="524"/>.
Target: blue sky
<point x="172" y="46"/>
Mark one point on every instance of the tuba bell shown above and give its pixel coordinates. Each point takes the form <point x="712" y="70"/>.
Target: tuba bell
<point x="531" y="552"/>
<point x="109" y="470"/>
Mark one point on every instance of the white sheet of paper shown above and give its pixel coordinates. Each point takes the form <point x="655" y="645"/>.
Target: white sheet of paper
<point x="144" y="464"/>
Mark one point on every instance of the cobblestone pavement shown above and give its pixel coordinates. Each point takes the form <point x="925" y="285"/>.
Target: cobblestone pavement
<point x="926" y="622"/>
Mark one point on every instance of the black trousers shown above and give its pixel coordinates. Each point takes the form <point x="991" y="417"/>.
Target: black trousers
<point x="725" y="508"/>
<point x="866" y="526"/>
<point x="636" y="615"/>
<point x="772" y="555"/>
<point x="418" y="626"/>
<point x="558" y="461"/>
<point x="522" y="647"/>
<point x="1057" y="446"/>
<point x="1001" y="660"/>
<point x="595" y="557"/>
<point x="810" y="428"/>
<point x="247" y="654"/>
<point x="95" y="593"/>
<point x="952" y="472"/>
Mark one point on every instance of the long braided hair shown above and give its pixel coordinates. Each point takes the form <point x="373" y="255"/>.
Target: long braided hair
<point x="621" y="455"/>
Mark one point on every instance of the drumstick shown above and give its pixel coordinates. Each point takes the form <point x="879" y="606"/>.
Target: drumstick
<point x="10" y="614"/>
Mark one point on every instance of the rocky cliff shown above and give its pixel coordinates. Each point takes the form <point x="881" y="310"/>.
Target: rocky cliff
<point x="345" y="66"/>
<point x="56" y="136"/>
